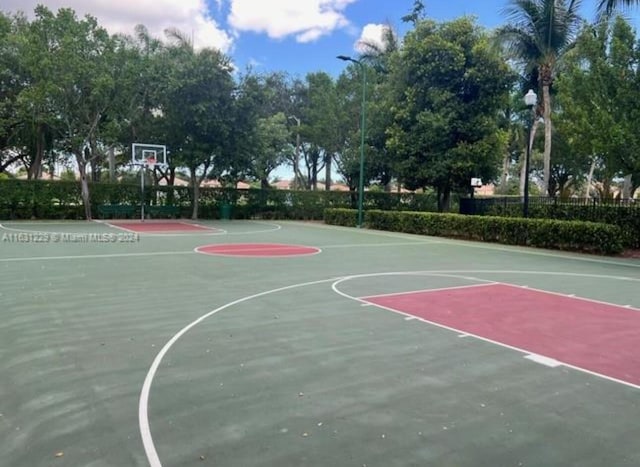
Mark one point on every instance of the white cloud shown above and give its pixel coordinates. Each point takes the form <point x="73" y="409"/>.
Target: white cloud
<point x="306" y="19"/>
<point x="374" y="34"/>
<point x="189" y="16"/>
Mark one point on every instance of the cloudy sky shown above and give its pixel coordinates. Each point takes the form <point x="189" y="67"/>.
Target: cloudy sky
<point x="296" y="36"/>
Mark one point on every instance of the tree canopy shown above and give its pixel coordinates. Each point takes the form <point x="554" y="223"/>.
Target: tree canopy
<point x="443" y="105"/>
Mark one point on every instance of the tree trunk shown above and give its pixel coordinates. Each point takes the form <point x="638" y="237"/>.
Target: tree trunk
<point x="314" y="175"/>
<point x="534" y="131"/>
<point x="95" y="165"/>
<point x="587" y="192"/>
<point x="171" y="177"/>
<point x="84" y="185"/>
<point x="35" y="170"/>
<point x="112" y="164"/>
<point x="264" y="183"/>
<point x="444" y="199"/>
<point x="506" y="160"/>
<point x="297" y="176"/>
<point x="606" y="188"/>
<point x="546" y="95"/>
<point x="195" y="187"/>
<point x="327" y="173"/>
<point x="627" y="187"/>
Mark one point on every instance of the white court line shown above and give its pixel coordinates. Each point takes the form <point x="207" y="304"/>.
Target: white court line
<point x="572" y="296"/>
<point x="73" y="222"/>
<point x="334" y="286"/>
<point x="104" y="222"/>
<point x="114" y="226"/>
<point x="542" y="360"/>
<point x="472" y="244"/>
<point x="205" y="229"/>
<point x="439" y="289"/>
<point x="218" y="230"/>
<point x="108" y="255"/>
<point x="229" y="253"/>
<point x="46" y="232"/>
<point x="143" y="415"/>
<point x="372" y="245"/>
<point x="143" y="405"/>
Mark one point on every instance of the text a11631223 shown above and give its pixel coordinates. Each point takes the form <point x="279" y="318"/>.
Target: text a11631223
<point x="61" y="237"/>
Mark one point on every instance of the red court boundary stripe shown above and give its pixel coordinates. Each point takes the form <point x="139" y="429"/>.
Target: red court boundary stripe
<point x="257" y="250"/>
<point x="592" y="336"/>
<point x="159" y="227"/>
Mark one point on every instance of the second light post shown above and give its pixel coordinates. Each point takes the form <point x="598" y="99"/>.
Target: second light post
<point x="363" y="69"/>
<point x="530" y="100"/>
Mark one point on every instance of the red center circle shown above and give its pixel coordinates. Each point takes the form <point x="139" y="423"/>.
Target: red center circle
<point x="262" y="250"/>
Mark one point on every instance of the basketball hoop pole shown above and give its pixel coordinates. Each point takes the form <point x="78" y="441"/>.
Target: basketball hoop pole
<point x="142" y="193"/>
<point x="150" y="163"/>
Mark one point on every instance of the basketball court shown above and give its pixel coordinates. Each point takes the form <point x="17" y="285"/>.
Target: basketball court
<point x="231" y="343"/>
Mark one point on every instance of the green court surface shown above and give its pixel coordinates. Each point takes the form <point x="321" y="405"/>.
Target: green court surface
<point x="126" y="349"/>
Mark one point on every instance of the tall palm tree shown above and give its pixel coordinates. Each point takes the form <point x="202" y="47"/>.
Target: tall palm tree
<point x="606" y="7"/>
<point x="537" y="35"/>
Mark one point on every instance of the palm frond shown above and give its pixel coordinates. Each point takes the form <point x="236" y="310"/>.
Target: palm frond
<point x="607" y="7"/>
<point x="540" y="30"/>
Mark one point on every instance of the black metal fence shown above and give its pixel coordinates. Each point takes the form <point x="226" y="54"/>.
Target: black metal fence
<point x="624" y="213"/>
<point x="512" y="205"/>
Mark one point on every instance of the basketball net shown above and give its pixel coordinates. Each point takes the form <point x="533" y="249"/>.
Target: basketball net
<point x="150" y="162"/>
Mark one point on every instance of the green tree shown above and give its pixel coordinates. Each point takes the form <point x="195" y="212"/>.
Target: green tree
<point x="349" y="100"/>
<point x="600" y="99"/>
<point x="320" y="128"/>
<point x="77" y="83"/>
<point x="272" y="149"/>
<point x="31" y="117"/>
<point x="199" y="113"/>
<point x="378" y="58"/>
<point x="12" y="81"/>
<point x="144" y="71"/>
<point x="263" y="102"/>
<point x="449" y="86"/>
<point x="538" y="34"/>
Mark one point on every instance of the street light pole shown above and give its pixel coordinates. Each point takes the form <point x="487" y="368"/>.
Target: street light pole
<point x="363" y="69"/>
<point x="530" y="99"/>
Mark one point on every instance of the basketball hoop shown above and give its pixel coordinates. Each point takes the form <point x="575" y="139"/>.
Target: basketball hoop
<point x="150" y="163"/>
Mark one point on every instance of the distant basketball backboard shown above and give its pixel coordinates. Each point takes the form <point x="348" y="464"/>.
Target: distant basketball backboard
<point x="149" y="155"/>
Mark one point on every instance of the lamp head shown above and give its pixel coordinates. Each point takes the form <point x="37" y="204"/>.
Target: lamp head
<point x="531" y="98"/>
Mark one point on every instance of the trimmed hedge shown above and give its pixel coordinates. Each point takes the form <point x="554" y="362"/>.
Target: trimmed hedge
<point x="47" y="199"/>
<point x="588" y="237"/>
<point x="627" y="216"/>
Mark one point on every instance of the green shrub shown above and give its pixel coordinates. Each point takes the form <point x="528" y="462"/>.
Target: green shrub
<point x="542" y="233"/>
<point x="47" y="199"/>
<point x="339" y="216"/>
<point x="625" y="217"/>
